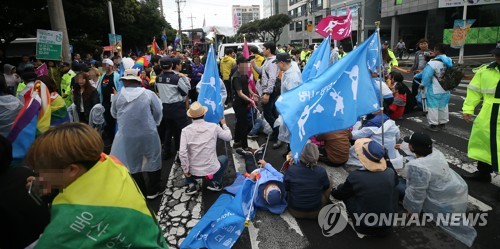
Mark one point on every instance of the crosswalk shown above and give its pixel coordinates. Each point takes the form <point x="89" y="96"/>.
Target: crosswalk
<point x="265" y="229"/>
<point x="460" y="91"/>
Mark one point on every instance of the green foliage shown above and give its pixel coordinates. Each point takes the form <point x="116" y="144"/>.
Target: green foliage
<point x="88" y="22"/>
<point x="265" y="29"/>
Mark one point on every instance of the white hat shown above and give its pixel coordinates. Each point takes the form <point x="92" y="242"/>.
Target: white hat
<point x="108" y="62"/>
<point x="131" y="74"/>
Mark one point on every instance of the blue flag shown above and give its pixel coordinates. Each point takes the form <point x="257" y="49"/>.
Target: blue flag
<point x="319" y="61"/>
<point x="224" y="222"/>
<point x="332" y="101"/>
<point x="210" y="89"/>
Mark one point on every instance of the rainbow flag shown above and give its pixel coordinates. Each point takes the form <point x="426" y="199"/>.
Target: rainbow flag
<point x="103" y="208"/>
<point x="32" y="120"/>
<point x="141" y="62"/>
<point x="178" y="41"/>
<point x="155" y="49"/>
<point x="59" y="112"/>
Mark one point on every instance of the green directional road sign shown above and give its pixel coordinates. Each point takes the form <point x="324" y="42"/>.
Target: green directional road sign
<point x="48" y="44"/>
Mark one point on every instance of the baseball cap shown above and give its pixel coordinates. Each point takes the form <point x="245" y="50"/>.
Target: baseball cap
<point x="272" y="194"/>
<point x="108" y="62"/>
<point x="165" y="61"/>
<point x="496" y="50"/>
<point x="284" y="57"/>
<point x="419" y="139"/>
<point x="385" y="43"/>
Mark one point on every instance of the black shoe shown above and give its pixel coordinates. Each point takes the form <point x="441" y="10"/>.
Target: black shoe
<point x="244" y="152"/>
<point x="191" y="189"/>
<point x="215" y="186"/>
<point x="478" y="177"/>
<point x="442" y="127"/>
<point x="432" y="128"/>
<point x="155" y="194"/>
<point x="277" y="145"/>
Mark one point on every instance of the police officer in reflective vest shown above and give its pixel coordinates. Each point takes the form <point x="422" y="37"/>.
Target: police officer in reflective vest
<point x="172" y="88"/>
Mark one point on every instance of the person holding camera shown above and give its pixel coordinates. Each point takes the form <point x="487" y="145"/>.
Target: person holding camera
<point x="172" y="88"/>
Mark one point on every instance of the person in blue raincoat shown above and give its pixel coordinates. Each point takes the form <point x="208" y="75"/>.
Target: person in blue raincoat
<point x="437" y="97"/>
<point x="137" y="143"/>
<point x="271" y="194"/>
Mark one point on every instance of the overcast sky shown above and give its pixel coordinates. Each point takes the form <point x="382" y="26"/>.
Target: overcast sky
<point x="217" y="12"/>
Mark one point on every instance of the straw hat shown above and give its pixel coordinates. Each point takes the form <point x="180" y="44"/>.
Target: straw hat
<point x="370" y="154"/>
<point x="196" y="110"/>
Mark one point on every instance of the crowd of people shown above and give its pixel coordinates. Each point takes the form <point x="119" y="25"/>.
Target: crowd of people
<point x="152" y="113"/>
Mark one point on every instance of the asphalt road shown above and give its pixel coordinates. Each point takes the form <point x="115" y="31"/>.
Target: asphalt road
<point x="273" y="231"/>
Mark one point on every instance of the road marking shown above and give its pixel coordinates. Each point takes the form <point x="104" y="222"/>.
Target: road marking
<point x="253" y="232"/>
<point x="479" y="204"/>
<point x="292" y="222"/>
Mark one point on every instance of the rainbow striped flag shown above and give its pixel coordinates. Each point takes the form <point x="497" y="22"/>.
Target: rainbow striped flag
<point x="178" y="41"/>
<point x="32" y="120"/>
<point x="155" y="49"/>
<point x="103" y="208"/>
<point x="59" y="112"/>
<point x="141" y="62"/>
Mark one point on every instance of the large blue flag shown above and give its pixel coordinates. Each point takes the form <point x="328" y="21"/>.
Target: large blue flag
<point x="332" y="101"/>
<point x="224" y="222"/>
<point x="319" y="61"/>
<point x="210" y="89"/>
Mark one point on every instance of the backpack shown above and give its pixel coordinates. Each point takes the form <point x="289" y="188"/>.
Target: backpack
<point x="451" y="77"/>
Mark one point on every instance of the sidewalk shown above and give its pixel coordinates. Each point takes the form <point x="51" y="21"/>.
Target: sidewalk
<point x="471" y="61"/>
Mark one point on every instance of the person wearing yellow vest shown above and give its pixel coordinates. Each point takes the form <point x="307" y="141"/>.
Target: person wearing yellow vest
<point x="393" y="61"/>
<point x="305" y="54"/>
<point x="259" y="60"/>
<point x="227" y="63"/>
<point x="484" y="142"/>
<point x="67" y="75"/>
<point x="341" y="52"/>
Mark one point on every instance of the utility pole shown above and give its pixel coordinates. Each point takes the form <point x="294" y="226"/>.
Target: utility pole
<point x="464" y="17"/>
<point x="58" y="22"/>
<point x="178" y="2"/>
<point x="163" y="32"/>
<point x="191" y="17"/>
<point x="111" y="20"/>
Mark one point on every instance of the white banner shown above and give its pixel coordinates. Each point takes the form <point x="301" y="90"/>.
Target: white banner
<point x="459" y="3"/>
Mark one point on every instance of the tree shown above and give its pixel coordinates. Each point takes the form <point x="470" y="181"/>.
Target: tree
<point x="275" y="24"/>
<point x="270" y="27"/>
<point x="22" y="19"/>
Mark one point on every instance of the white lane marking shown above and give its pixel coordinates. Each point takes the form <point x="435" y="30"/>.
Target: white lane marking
<point x="479" y="204"/>
<point x="459" y="91"/>
<point x="253" y="232"/>
<point x="229" y="111"/>
<point x="292" y="222"/>
<point x="463" y="85"/>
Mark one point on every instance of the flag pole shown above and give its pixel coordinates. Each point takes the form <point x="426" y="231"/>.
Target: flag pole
<point x="381" y="77"/>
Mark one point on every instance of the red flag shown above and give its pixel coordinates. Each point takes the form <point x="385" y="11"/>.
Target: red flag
<point x="246" y="54"/>
<point x="339" y="26"/>
<point x="42" y="70"/>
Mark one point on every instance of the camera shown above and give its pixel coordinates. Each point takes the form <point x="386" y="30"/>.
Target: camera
<point x="427" y="54"/>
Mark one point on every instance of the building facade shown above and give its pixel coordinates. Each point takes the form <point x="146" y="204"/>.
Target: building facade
<point x="245" y="14"/>
<point x="274" y="7"/>
<point x="412" y="20"/>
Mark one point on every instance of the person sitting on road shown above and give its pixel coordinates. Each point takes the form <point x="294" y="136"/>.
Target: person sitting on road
<point x="372" y="128"/>
<point x="397" y="80"/>
<point x="371" y="189"/>
<point x="433" y="187"/>
<point x="271" y="195"/>
<point x="336" y="147"/>
<point x="197" y="150"/>
<point x="397" y="108"/>
<point x="307" y="184"/>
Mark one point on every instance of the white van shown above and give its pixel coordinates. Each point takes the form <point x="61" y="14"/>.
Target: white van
<point x="235" y="46"/>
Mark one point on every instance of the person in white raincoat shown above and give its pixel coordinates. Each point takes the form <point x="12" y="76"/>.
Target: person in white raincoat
<point x="137" y="144"/>
<point x="433" y="188"/>
<point x="372" y="129"/>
